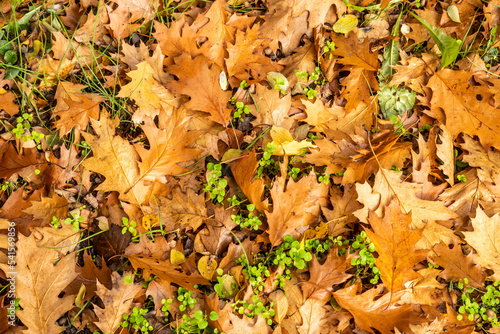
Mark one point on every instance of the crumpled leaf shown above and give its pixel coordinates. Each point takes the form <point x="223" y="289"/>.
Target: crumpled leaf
<point x="285" y="143"/>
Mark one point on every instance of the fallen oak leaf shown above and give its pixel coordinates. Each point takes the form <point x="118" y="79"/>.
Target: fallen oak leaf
<point x="117" y="301"/>
<point x="298" y="206"/>
<point x="40" y="286"/>
<point x="395" y="243"/>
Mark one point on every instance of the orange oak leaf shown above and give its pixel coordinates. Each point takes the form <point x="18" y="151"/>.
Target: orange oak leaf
<point x="48" y="207"/>
<point x="388" y="186"/>
<point x="166" y="271"/>
<point x="167" y="149"/>
<point x="354" y="53"/>
<point x="486" y="241"/>
<point x="116" y="159"/>
<point x="296" y="206"/>
<point x="7" y="103"/>
<point x="456" y="265"/>
<point x="324" y="276"/>
<point x="183" y="210"/>
<point x="354" y="153"/>
<point x="201" y="83"/>
<point x="246" y="59"/>
<point x="78" y="113"/>
<point x="382" y="314"/>
<point x="244" y="174"/>
<point x="150" y="96"/>
<point x="395" y="243"/>
<point x="463" y="107"/>
<point x="39" y="284"/>
<point x="318" y="9"/>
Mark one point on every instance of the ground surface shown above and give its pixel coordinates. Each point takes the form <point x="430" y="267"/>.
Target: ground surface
<point x="249" y="167"/>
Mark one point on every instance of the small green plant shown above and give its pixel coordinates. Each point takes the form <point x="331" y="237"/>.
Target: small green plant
<point x="74" y="220"/>
<point x="480" y="306"/>
<point x="166" y="305"/>
<point x="216" y="185"/>
<point x="186" y="298"/>
<point x="266" y="163"/>
<point x="255" y="308"/>
<point x="365" y="261"/>
<point x="241" y="109"/>
<point x="129" y="226"/>
<point x="197" y="324"/>
<point x="23" y="130"/>
<point x="461" y="178"/>
<point x="251" y="221"/>
<point x="136" y="320"/>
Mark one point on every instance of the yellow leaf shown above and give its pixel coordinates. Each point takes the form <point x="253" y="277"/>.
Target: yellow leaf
<point x="345" y="24"/>
<point x="285" y="142"/>
<point x="176" y="257"/>
<point x="149" y="221"/>
<point x="207" y="267"/>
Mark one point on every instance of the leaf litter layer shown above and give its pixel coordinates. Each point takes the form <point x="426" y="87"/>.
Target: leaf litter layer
<point x="249" y="166"/>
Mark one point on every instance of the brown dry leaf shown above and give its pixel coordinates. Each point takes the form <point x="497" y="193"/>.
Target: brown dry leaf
<point x="354" y="153"/>
<point x="382" y="314"/>
<point x="7" y="103"/>
<point x="166" y="271"/>
<point x="359" y="85"/>
<point x="78" y="113"/>
<point x="116" y="159"/>
<point x="88" y="275"/>
<point x="57" y="237"/>
<point x="48" y="207"/>
<point x="395" y="243"/>
<point x="244" y="173"/>
<point x="149" y="95"/>
<point x="117" y="301"/>
<point x="297" y="206"/>
<point x="38" y="285"/>
<point x="324" y="276"/>
<point x="477" y="156"/>
<point x="201" y="83"/>
<point x="281" y="27"/>
<point x="414" y="72"/>
<point x="303" y="60"/>
<point x="246" y="325"/>
<point x="456" y="265"/>
<point x="167" y="148"/>
<point x="94" y="28"/>
<point x="354" y="53"/>
<point x="313" y="316"/>
<point x="183" y="210"/>
<point x="486" y="241"/>
<point x="425" y="290"/>
<point x="178" y="39"/>
<point x="317" y="9"/>
<point x="246" y="58"/>
<point x="463" y="107"/>
<point x="318" y="115"/>
<point x="272" y="110"/>
<point x="387" y="187"/>
<point x="280" y="305"/>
